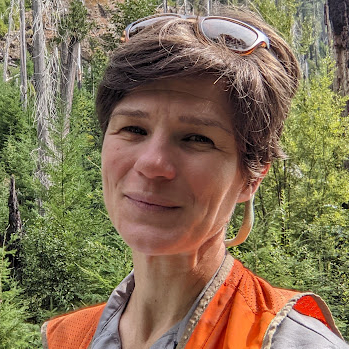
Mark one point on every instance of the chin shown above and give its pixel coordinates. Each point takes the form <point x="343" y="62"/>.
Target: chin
<point x="153" y="244"/>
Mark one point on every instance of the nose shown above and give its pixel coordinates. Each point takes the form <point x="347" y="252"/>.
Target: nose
<point x="156" y="159"/>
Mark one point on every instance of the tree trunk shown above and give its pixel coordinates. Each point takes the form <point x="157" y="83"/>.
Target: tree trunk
<point x="208" y="11"/>
<point x="69" y="54"/>
<point x="337" y="15"/>
<point x="79" y="67"/>
<point x="40" y="83"/>
<point x="15" y="222"/>
<point x="24" y="87"/>
<point x="14" y="227"/>
<point x="8" y="41"/>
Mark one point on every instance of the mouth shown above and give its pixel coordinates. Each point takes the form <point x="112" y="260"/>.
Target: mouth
<point x="151" y="203"/>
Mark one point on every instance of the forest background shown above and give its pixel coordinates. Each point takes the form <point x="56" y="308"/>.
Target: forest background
<point x="58" y="250"/>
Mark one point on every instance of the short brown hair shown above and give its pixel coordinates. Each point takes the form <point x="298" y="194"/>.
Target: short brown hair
<point x="261" y="84"/>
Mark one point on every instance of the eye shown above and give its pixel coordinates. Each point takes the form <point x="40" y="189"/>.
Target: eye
<point x="135" y="129"/>
<point x="199" y="139"/>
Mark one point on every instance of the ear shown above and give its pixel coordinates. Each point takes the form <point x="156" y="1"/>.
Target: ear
<point x="249" y="190"/>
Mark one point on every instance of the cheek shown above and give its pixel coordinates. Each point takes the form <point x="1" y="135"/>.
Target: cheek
<point x="107" y="164"/>
<point x="218" y="179"/>
<point x="113" y="168"/>
<point x="214" y="191"/>
<point x="113" y="161"/>
<point x="226" y="188"/>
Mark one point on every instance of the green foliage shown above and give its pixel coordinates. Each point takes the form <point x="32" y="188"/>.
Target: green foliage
<point x="308" y="37"/>
<point x="72" y="255"/>
<point x="125" y="13"/>
<point x="310" y="33"/>
<point x="4" y="17"/>
<point x="4" y="12"/>
<point x="316" y="183"/>
<point x="30" y="67"/>
<point x="18" y="158"/>
<point x="4" y="188"/>
<point x="75" y="24"/>
<point x="95" y="69"/>
<point x="17" y="146"/>
<point x="4" y="5"/>
<point x="12" y="116"/>
<point x="3" y="28"/>
<point x="318" y="152"/>
<point x="300" y="239"/>
<point x="130" y="10"/>
<point x="280" y="14"/>
<point x="15" y="332"/>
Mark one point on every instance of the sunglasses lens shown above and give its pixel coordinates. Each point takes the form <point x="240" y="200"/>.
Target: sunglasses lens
<point x="238" y="36"/>
<point x="139" y="26"/>
<point x="234" y="35"/>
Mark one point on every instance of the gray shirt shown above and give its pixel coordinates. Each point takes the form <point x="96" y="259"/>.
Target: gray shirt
<point x="107" y="333"/>
<point x="296" y="331"/>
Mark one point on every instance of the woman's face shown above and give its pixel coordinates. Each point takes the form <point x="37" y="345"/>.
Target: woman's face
<point x="170" y="166"/>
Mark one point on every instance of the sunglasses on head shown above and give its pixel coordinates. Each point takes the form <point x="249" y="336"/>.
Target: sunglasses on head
<point x="240" y="37"/>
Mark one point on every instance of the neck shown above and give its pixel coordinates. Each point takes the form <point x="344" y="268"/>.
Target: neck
<point x="167" y="286"/>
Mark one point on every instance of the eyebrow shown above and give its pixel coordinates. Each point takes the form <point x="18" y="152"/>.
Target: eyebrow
<point x="132" y="113"/>
<point x="188" y="119"/>
<point x="195" y="120"/>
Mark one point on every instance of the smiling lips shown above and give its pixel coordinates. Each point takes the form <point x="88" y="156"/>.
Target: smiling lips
<point x="150" y="203"/>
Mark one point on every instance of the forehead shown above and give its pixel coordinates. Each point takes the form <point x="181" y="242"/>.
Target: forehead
<point x="197" y="95"/>
<point x="203" y="88"/>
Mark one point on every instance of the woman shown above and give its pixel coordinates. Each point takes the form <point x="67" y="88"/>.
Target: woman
<point x="192" y="110"/>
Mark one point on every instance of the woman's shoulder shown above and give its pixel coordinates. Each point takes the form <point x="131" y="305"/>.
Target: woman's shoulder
<point x="301" y="331"/>
<point x="77" y="326"/>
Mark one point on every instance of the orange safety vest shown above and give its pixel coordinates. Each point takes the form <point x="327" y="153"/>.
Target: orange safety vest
<point x="242" y="312"/>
